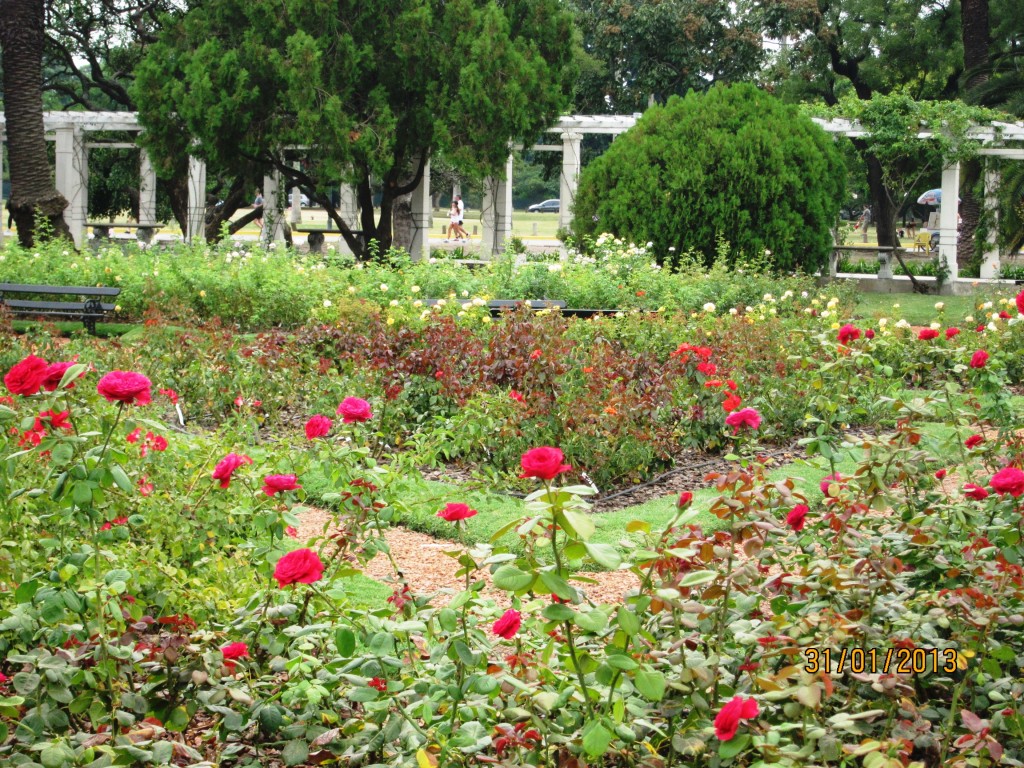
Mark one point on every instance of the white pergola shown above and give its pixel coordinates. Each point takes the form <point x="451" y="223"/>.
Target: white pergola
<point x="70" y="131"/>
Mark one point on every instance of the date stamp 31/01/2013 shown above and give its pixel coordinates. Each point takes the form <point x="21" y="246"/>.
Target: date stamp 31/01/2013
<point x="872" y="661"/>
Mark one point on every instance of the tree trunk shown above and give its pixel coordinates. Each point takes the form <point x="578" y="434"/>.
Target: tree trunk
<point x="32" y="189"/>
<point x="974" y="28"/>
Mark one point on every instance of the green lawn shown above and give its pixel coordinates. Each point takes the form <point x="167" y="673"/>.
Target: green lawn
<point x="919" y="309"/>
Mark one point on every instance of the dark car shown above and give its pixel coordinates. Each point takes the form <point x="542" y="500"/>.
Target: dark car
<point x="548" y="206"/>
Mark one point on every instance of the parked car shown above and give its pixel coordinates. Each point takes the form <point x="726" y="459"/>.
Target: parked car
<point x="303" y="200"/>
<point x="548" y="206"/>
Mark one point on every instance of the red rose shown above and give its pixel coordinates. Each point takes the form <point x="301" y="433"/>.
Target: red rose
<point x="951" y="332"/>
<point x="927" y="334"/>
<point x="508" y="625"/>
<point x="1005" y="315"/>
<point x="708" y="369"/>
<point x="1008" y="480"/>
<point x="317" y="426"/>
<point x="57" y="420"/>
<point x="517" y="396"/>
<point x="940" y="474"/>
<point x="684" y="500"/>
<point x="378" y="683"/>
<point x="274" y="484"/>
<point x="848" y="333"/>
<point x="732" y="402"/>
<point x="974" y="440"/>
<point x="796" y="517"/>
<point x="869" y="334"/>
<point x="1020" y="302"/>
<point x="535" y="355"/>
<point x="226" y="468"/>
<point x="456" y="511"/>
<point x="730" y="384"/>
<point x="354" y="409"/>
<point x="291" y="531"/>
<point x="55" y="372"/>
<point x="727" y="722"/>
<point x="748" y="417"/>
<point x="26" y="377"/>
<point x="544" y="463"/>
<point x="976" y="492"/>
<point x="980" y="328"/>
<point x="233" y="651"/>
<point x="979" y="359"/>
<point x="170" y="394"/>
<point x="301" y="566"/>
<point x="112" y="523"/>
<point x="125" y="387"/>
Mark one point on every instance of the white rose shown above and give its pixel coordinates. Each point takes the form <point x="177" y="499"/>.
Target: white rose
<point x="415" y="289"/>
<point x="709" y="307"/>
<point x="327" y="302"/>
<point x="383" y="287"/>
<point x="939" y="306"/>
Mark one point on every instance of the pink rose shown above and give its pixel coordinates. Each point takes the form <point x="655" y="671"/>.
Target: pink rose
<point x="828" y="480"/>
<point x="274" y="484"/>
<point x="317" y="426"/>
<point x="848" y="333"/>
<point x="746" y="417"/>
<point x="727" y="722"/>
<point x="26" y="377"/>
<point x="1008" y="480"/>
<point x="456" y="511"/>
<point x="543" y="463"/>
<point x="508" y="625"/>
<point x="226" y="468"/>
<point x="301" y="566"/>
<point x="125" y="387"/>
<point x="796" y="517"/>
<point x="55" y="372"/>
<point x="976" y="492"/>
<point x="979" y="359"/>
<point x="354" y="409"/>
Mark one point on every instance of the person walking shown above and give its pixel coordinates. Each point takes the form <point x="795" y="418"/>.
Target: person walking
<point x="453" y="223"/>
<point x="258" y="203"/>
<point x="462" y="217"/>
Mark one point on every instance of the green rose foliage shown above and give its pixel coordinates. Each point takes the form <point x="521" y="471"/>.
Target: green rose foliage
<point x="733" y="162"/>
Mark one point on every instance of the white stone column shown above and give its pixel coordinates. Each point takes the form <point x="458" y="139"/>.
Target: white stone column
<point x="273" y="214"/>
<point x="990" y="262"/>
<point x="496" y="214"/>
<point x="196" y="201"/>
<point x="147" y="190"/>
<point x="348" y="210"/>
<point x="295" y="216"/>
<point x="569" y="180"/>
<point x="72" y="179"/>
<point x="948" y="219"/>
<point x="422" y="213"/>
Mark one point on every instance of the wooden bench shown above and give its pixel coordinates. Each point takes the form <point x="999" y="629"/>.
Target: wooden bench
<point x="88" y="308"/>
<point x="143" y="232"/>
<point x="315" y="236"/>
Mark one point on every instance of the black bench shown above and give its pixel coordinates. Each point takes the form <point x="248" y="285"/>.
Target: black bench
<point x="497" y="306"/>
<point x="89" y="306"/>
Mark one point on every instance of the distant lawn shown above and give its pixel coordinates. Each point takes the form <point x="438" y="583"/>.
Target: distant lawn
<point x="918" y="309"/>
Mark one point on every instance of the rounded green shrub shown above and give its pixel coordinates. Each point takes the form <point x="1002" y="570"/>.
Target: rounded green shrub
<point x="733" y="163"/>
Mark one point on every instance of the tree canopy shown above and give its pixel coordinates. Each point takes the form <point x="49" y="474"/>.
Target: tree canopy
<point x="734" y="163"/>
<point x="367" y="91"/>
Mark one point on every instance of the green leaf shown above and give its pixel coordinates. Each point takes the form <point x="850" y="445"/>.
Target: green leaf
<point x="592" y="621"/>
<point x="121" y="478"/>
<point x="26" y="591"/>
<point x="695" y="578"/>
<point x="511" y="578"/>
<point x="729" y="749"/>
<point x="628" y="621"/>
<point x="295" y="752"/>
<point x="559" y="612"/>
<point x="604" y="555"/>
<point x="579" y="525"/>
<point x="345" y="642"/>
<point x="596" y="738"/>
<point x="557" y="585"/>
<point x="651" y="684"/>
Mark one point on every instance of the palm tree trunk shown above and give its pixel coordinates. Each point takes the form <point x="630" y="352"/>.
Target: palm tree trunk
<point x="32" y="190"/>
<point x="974" y="28"/>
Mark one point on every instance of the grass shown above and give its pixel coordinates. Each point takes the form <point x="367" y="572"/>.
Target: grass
<point x="70" y="327"/>
<point x="919" y="309"/>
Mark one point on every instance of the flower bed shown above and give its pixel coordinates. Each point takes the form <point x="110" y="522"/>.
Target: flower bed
<point x="150" y="586"/>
